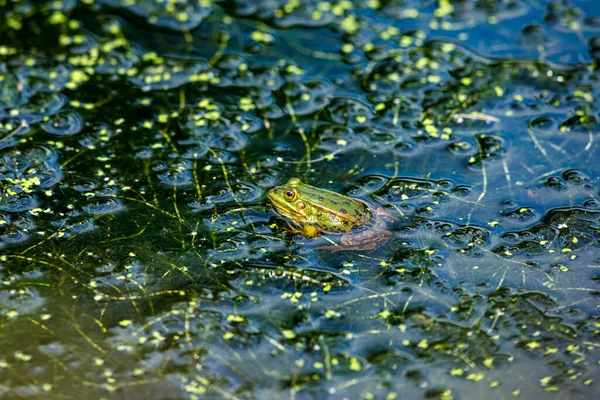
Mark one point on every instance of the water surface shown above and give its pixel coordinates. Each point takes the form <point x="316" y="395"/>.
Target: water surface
<point x="138" y="141"/>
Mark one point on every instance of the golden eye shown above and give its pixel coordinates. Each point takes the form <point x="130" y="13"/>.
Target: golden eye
<point x="290" y="195"/>
<point x="301" y="205"/>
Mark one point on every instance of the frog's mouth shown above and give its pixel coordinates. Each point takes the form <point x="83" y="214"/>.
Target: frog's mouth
<point x="287" y="212"/>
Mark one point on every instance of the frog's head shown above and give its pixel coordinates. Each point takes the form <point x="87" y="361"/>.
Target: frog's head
<point x="288" y="200"/>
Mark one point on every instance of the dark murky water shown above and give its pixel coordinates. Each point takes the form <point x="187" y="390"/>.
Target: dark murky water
<point x="137" y="143"/>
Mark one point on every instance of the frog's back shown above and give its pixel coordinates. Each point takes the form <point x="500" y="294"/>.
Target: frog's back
<point x="336" y="212"/>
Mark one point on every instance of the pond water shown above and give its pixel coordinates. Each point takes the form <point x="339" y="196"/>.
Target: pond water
<point x="139" y="258"/>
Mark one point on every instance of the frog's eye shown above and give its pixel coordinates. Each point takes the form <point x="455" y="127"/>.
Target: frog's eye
<point x="290" y="195"/>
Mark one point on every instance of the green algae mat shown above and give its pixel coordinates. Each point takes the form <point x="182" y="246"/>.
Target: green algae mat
<point x="140" y="257"/>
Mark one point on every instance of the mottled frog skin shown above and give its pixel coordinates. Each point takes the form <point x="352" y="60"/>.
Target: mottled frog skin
<point x="312" y="212"/>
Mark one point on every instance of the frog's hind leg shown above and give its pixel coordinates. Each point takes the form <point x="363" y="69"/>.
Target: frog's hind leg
<point x="361" y="247"/>
<point x="368" y="240"/>
<point x="386" y="214"/>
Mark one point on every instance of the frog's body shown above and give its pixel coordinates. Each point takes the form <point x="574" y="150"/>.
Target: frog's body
<point x="313" y="211"/>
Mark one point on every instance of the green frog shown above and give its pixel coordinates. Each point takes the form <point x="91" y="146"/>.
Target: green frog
<point x="312" y="212"/>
